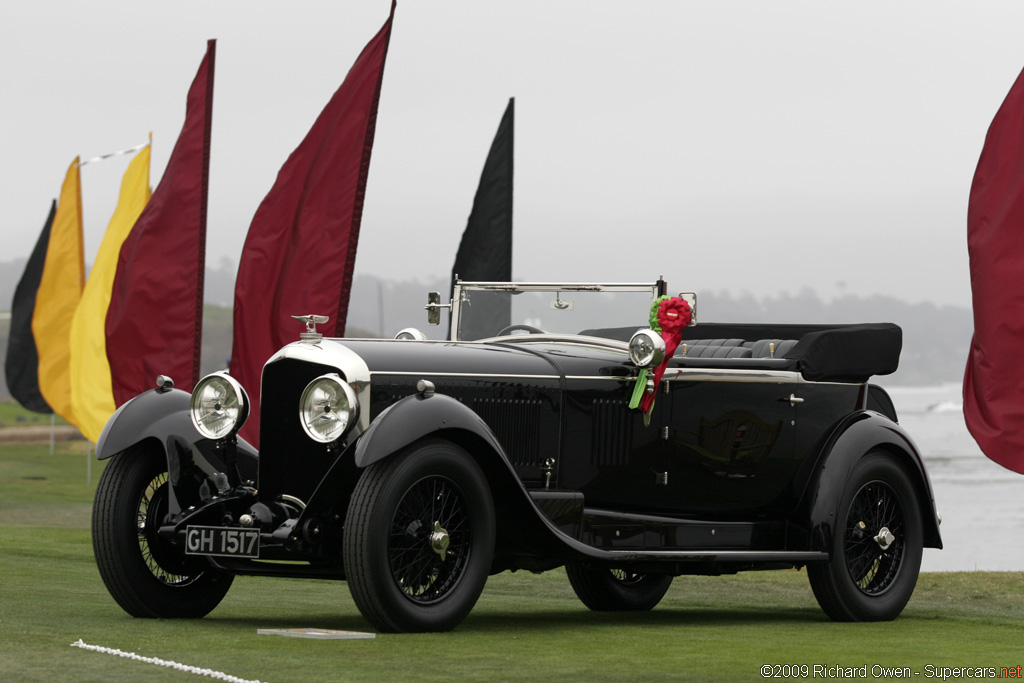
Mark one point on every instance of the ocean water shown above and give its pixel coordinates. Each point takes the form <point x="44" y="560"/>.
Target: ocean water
<point x="981" y="502"/>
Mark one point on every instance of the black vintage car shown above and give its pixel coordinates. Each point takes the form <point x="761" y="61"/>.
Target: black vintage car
<point x="414" y="468"/>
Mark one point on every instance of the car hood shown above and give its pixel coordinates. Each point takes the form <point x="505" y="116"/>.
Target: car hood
<point x="558" y="359"/>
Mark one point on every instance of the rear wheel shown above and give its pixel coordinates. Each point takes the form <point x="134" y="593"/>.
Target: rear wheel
<point x="876" y="549"/>
<point x="146" y="575"/>
<point x="419" y="539"/>
<point x="616" y="590"/>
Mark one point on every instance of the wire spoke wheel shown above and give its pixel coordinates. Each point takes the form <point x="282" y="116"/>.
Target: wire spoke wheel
<point x="419" y="538"/>
<point x="146" y="574"/>
<point x="152" y="509"/>
<point x="616" y="589"/>
<point x="431" y="511"/>
<point x="875" y="510"/>
<point x="628" y="578"/>
<point x="876" y="548"/>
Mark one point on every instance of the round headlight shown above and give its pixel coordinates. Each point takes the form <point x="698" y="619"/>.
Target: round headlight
<point x="411" y="333"/>
<point x="327" y="407"/>
<point x="219" y="406"/>
<point x="646" y="348"/>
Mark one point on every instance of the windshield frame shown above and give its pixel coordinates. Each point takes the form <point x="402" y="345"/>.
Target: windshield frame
<point x="653" y="289"/>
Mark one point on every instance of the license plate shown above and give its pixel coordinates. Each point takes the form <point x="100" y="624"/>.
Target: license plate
<point x="222" y="541"/>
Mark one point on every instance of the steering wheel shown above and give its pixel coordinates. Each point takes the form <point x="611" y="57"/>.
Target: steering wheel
<point x="512" y="328"/>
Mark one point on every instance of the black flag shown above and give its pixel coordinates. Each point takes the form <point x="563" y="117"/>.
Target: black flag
<point x="22" y="363"/>
<point x="485" y="253"/>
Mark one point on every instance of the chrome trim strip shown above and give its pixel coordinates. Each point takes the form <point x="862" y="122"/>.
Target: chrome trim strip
<point x="454" y="311"/>
<point x="750" y="376"/>
<point x="343" y="340"/>
<point x="561" y="286"/>
<point x="601" y="378"/>
<point x="574" y="339"/>
<point x="732" y="375"/>
<point x="489" y="375"/>
<point x="830" y="384"/>
<point x="745" y="376"/>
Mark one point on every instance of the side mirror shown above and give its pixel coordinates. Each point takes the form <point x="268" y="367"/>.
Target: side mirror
<point x="434" y="307"/>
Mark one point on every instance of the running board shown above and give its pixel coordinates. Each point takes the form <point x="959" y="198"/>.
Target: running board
<point x="785" y="556"/>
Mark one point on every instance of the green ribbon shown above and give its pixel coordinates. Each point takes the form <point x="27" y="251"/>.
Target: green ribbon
<point x="638" y="389"/>
<point x="641" y="379"/>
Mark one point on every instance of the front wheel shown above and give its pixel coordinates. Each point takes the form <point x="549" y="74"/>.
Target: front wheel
<point x="419" y="539"/>
<point x="616" y="590"/>
<point x="145" y="574"/>
<point x="876" y="545"/>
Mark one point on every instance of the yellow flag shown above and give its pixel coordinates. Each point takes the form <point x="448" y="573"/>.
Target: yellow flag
<point x="57" y="297"/>
<point x="92" y="396"/>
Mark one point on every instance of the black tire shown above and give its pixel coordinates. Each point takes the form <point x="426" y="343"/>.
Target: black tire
<point x="616" y="590"/>
<point x="145" y="574"/>
<point x="402" y="511"/>
<point x="864" y="581"/>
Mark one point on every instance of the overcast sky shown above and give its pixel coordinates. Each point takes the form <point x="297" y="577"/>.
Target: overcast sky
<point x="742" y="146"/>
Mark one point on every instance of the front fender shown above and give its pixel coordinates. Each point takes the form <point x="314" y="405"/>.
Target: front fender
<point x="413" y="418"/>
<point x="855" y="436"/>
<point x="522" y="527"/>
<point x="160" y="419"/>
<point x="156" y="414"/>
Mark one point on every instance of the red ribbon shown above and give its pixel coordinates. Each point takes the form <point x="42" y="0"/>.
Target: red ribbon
<point x="673" y="316"/>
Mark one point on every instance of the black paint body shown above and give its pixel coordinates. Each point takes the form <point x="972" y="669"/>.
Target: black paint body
<point x="740" y="466"/>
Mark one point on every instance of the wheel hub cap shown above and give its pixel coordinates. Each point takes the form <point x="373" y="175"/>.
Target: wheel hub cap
<point x="885" y="538"/>
<point x="439" y="540"/>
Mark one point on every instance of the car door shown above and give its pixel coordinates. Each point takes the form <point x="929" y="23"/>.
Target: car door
<point x="729" y="442"/>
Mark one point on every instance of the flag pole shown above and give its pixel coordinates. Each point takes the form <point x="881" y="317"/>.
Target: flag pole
<point x="52" y="428"/>
<point x="104" y="157"/>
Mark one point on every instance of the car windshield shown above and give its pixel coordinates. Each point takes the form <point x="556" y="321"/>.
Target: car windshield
<point x="490" y="310"/>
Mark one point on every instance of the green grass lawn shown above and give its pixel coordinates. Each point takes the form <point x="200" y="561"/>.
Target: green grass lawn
<point x="525" y="627"/>
<point x="13" y="415"/>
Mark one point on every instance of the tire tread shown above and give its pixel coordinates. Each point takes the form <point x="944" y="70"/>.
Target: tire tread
<point x="368" y="578"/>
<point x="125" y="575"/>
<point x="835" y="592"/>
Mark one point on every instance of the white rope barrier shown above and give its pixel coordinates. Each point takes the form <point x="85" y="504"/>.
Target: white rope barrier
<point x="220" y="675"/>
<point x="119" y="152"/>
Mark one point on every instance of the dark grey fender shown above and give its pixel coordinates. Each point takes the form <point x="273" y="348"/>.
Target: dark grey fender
<point x="415" y="417"/>
<point x="160" y="417"/>
<point x="156" y="414"/>
<point x="853" y="438"/>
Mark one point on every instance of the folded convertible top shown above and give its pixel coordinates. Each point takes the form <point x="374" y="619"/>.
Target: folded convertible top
<point x="823" y="353"/>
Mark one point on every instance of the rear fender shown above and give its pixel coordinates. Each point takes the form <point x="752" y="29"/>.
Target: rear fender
<point x="857" y="435"/>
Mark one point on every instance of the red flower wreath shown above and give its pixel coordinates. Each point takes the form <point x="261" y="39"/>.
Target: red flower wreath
<point x="669" y="316"/>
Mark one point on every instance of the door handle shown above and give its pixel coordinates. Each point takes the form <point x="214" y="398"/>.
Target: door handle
<point x="793" y="399"/>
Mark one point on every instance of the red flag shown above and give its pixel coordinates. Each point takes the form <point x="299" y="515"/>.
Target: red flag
<point x="155" y="319"/>
<point x="301" y="247"/>
<point x="994" y="379"/>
